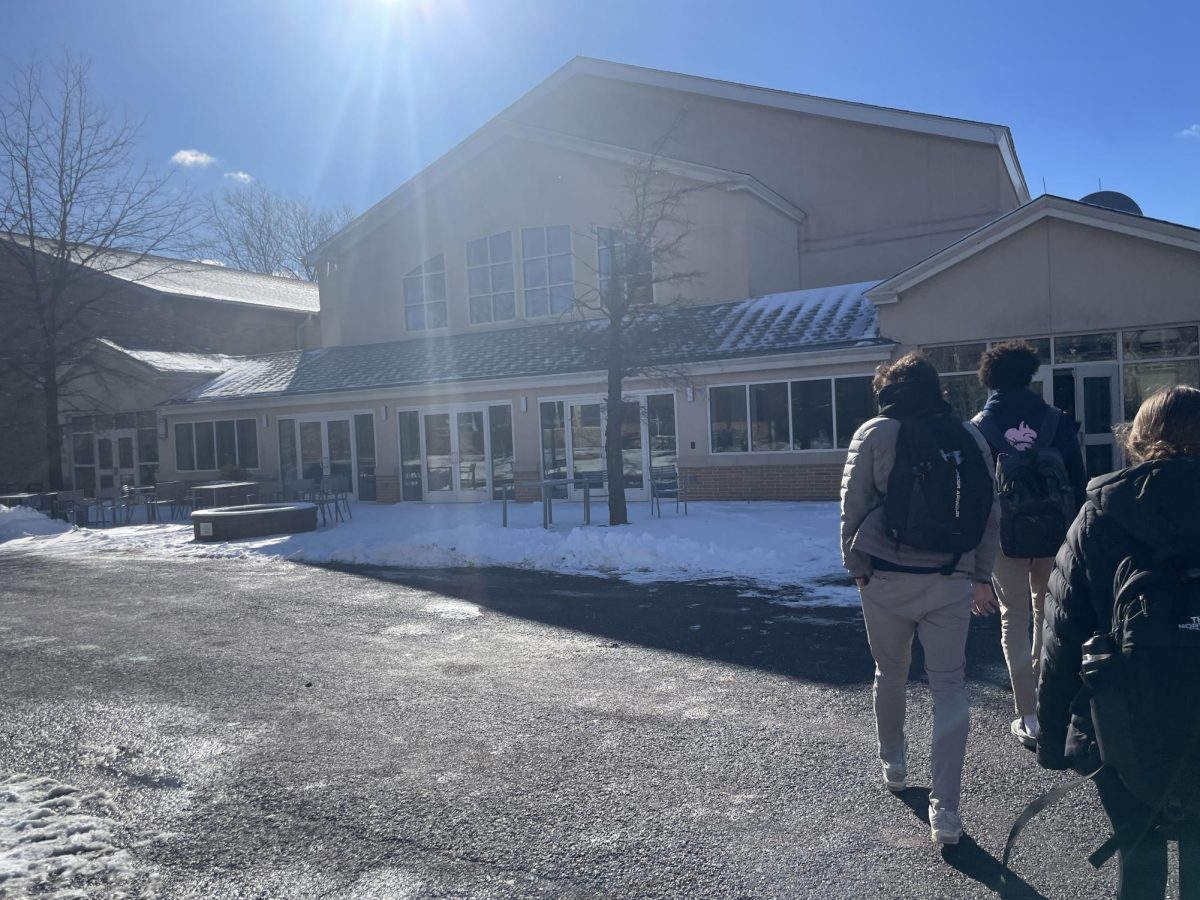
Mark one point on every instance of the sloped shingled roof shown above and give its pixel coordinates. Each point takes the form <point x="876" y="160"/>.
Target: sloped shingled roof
<point x="821" y="318"/>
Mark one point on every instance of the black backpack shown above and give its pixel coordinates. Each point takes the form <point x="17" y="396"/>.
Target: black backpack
<point x="1144" y="681"/>
<point x="1037" y="501"/>
<point x="939" y="494"/>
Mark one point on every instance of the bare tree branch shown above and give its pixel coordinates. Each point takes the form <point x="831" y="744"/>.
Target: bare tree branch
<point x="75" y="207"/>
<point x="252" y="228"/>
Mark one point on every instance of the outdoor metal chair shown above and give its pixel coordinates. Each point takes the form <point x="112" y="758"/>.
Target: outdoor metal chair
<point x="667" y="484"/>
<point x="169" y="495"/>
<point x="338" y="487"/>
<point x="67" y="505"/>
<point x="109" y="505"/>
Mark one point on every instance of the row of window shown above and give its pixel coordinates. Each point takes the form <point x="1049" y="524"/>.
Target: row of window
<point x="547" y="277"/>
<point x="820" y="414"/>
<point x="1150" y="358"/>
<point x="211" y="446"/>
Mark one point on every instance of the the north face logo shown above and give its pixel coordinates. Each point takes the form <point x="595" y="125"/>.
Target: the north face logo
<point x="1193" y="625"/>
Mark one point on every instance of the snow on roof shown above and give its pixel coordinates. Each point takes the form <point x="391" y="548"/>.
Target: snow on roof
<point x="166" y="361"/>
<point x="795" y="322"/>
<point x="203" y="280"/>
<point x="211" y="282"/>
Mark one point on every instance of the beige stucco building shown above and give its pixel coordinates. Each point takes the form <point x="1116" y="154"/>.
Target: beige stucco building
<point x="822" y="238"/>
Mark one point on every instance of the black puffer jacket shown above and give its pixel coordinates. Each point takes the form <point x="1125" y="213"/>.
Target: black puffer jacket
<point x="1150" y="505"/>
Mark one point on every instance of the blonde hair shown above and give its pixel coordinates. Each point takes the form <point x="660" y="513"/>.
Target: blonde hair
<point x="1166" y="425"/>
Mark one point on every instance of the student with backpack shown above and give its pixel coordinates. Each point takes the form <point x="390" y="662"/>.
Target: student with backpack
<point x="918" y="535"/>
<point x="1119" y="694"/>
<point x="1040" y="480"/>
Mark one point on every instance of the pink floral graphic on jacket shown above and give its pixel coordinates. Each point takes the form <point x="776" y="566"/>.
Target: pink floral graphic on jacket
<point x="1022" y="437"/>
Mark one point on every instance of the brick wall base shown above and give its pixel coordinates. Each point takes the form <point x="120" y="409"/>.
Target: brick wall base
<point x="811" y="482"/>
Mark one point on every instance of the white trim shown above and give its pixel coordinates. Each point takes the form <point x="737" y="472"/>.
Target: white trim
<point x="1045" y="206"/>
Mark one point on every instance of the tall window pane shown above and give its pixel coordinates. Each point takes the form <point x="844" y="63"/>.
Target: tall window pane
<point x="727" y="419"/>
<point x="206" y="450"/>
<point x="410" y="455"/>
<point x="554" y="442"/>
<point x="1144" y="379"/>
<point x="500" y="426"/>
<point x="624" y="267"/>
<point x="490" y="279"/>
<point x="364" y="443"/>
<point x="855" y="404"/>
<point x="812" y="415"/>
<point x="185" y="450"/>
<point x="964" y="393"/>
<point x="425" y="296"/>
<point x="287" y="449"/>
<point x="1085" y="347"/>
<point x="769" y="417"/>
<point x="548" y="269"/>
<point x="660" y="421"/>
<point x="226" y="444"/>
<point x="247" y="443"/>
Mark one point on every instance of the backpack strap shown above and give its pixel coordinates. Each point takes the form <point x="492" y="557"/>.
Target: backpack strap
<point x="1045" y="435"/>
<point x="995" y="437"/>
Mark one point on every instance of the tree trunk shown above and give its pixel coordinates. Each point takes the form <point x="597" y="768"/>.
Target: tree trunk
<point x="618" y="512"/>
<point x="54" y="474"/>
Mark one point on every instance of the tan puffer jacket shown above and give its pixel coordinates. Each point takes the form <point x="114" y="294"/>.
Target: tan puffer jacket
<point x="864" y="482"/>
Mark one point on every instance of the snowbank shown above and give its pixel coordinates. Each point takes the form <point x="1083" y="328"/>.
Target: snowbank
<point x="773" y="545"/>
<point x="21" y="521"/>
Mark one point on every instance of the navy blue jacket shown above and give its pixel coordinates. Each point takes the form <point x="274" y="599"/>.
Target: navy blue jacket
<point x="1019" y="414"/>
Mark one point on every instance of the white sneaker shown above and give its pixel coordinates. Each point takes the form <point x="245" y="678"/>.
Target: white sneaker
<point x="1027" y="736"/>
<point x="945" y="826"/>
<point x="895" y="776"/>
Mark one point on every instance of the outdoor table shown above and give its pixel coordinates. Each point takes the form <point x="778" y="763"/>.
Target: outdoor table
<point x="21" y="499"/>
<point x="143" y="494"/>
<point x="222" y="493"/>
<point x="548" y="497"/>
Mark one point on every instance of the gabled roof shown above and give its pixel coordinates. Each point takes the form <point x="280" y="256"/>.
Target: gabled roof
<point x="200" y="280"/>
<point x="798" y="321"/>
<point x="168" y="362"/>
<point x="471" y="146"/>
<point x="1045" y="206"/>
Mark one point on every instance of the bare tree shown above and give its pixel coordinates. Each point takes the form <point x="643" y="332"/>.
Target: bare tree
<point x="255" y="229"/>
<point x="639" y="274"/>
<point x="75" y="207"/>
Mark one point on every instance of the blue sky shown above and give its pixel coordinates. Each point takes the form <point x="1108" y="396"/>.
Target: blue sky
<point x="342" y="100"/>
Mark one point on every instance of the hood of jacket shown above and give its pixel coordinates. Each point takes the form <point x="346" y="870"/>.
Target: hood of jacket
<point x="1010" y="408"/>
<point x="1156" y="502"/>
<point x="908" y="398"/>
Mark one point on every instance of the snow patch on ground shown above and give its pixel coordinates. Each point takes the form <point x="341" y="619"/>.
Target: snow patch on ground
<point x="771" y="546"/>
<point x="21" y="521"/>
<point x="55" y="840"/>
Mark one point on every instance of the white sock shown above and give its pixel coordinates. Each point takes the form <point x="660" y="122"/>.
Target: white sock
<point x="1032" y="725"/>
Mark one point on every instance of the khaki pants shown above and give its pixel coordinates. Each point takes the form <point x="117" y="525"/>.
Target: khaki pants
<point x="937" y="609"/>
<point x="1021" y="586"/>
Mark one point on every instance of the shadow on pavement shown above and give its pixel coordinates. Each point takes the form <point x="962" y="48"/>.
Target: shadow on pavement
<point x="776" y="632"/>
<point x="969" y="858"/>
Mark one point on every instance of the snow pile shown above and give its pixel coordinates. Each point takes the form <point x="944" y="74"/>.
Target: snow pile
<point x="774" y="545"/>
<point x="21" y="521"/>
<point x="51" y="846"/>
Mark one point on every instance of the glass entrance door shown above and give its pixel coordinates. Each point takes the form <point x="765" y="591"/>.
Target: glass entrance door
<point x="1090" y="394"/>
<point x="115" y="462"/>
<point x="588" y="425"/>
<point x="327" y="450"/>
<point x="456" y="455"/>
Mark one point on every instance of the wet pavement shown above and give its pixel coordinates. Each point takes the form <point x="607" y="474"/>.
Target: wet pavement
<point x="273" y="730"/>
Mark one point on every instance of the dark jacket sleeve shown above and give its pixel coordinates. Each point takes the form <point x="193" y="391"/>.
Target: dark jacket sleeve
<point x="1070" y="620"/>
<point x="1066" y="440"/>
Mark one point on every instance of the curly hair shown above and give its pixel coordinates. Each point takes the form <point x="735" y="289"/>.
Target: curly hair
<point x="1167" y="425"/>
<point x="1008" y="366"/>
<point x="914" y="367"/>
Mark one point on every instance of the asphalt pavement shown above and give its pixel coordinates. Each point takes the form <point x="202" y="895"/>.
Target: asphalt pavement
<point x="273" y="730"/>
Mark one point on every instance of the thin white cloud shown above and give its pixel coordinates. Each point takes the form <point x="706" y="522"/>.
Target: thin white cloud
<point x="192" y="158"/>
<point x="240" y="177"/>
<point x="1192" y="131"/>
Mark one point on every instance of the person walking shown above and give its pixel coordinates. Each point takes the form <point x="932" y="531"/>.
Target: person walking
<point x="1134" y="545"/>
<point x="1039" y="466"/>
<point x="918" y="535"/>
